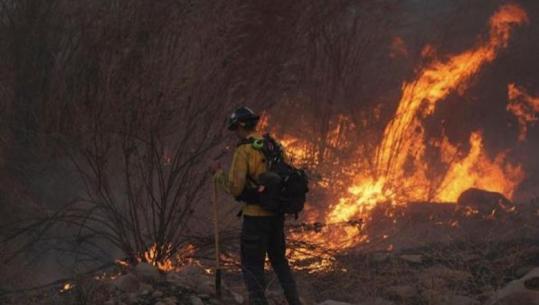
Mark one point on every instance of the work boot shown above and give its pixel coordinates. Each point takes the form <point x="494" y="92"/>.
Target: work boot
<point x="292" y="297"/>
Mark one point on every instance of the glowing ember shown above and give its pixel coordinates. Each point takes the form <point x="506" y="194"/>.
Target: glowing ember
<point x="151" y="256"/>
<point x="67" y="287"/>
<point x="310" y="260"/>
<point x="121" y="263"/>
<point x="163" y="257"/>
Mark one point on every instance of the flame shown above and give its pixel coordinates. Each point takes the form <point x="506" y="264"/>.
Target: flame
<point x="67" y="287"/>
<point x="364" y="196"/>
<point x="479" y="171"/>
<point x="404" y="136"/>
<point x="172" y="262"/>
<point x="401" y="172"/>
<point x="524" y="107"/>
<point x="304" y="258"/>
<point x="297" y="150"/>
<point x="151" y="256"/>
<point x="301" y="151"/>
<point x="121" y="263"/>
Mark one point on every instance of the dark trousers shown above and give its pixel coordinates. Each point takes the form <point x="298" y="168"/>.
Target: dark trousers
<point x="261" y="236"/>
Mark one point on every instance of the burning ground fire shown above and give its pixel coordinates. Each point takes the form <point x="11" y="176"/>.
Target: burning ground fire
<point x="401" y="171"/>
<point x="154" y="256"/>
<point x="403" y="142"/>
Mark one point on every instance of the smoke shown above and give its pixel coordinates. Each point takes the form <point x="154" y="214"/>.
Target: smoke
<point x="315" y="63"/>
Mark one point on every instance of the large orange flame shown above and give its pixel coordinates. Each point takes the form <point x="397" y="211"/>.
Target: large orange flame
<point x="403" y="137"/>
<point x="477" y="170"/>
<point x="401" y="169"/>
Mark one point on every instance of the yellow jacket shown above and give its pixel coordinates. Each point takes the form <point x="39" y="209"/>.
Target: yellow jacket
<point x="247" y="162"/>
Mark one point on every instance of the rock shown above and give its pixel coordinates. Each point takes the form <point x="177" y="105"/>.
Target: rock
<point x="191" y="271"/>
<point x="483" y="202"/>
<point x="376" y="301"/>
<point x="470" y="257"/>
<point x="412" y="258"/>
<point x="204" y="296"/>
<point x="432" y="295"/>
<point x="458" y="300"/>
<point x="127" y="283"/>
<point x="237" y="297"/>
<point x="160" y="303"/>
<point x="445" y="273"/>
<point x="196" y="300"/>
<point x="435" y="281"/>
<point x="441" y="297"/>
<point x="109" y="302"/>
<point x="215" y="302"/>
<point x="380" y="257"/>
<point x="174" y="278"/>
<point x="132" y="298"/>
<point x="403" y="291"/>
<point x="187" y="277"/>
<point x="206" y="287"/>
<point x="147" y="272"/>
<point x="518" y="299"/>
<point x="430" y="283"/>
<point x="331" y="302"/>
<point x="524" y="291"/>
<point x="193" y="278"/>
<point x="486" y="293"/>
<point x="273" y="294"/>
<point x="170" y="301"/>
<point x="522" y="271"/>
<point x="532" y="283"/>
<point x="157" y="294"/>
<point x="145" y="289"/>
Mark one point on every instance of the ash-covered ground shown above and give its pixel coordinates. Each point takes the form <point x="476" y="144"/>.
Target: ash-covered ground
<point x="419" y="253"/>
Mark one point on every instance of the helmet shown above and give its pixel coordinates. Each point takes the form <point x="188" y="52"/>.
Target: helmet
<point x="243" y="117"/>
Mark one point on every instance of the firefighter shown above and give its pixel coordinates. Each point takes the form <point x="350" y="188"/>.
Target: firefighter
<point x="262" y="232"/>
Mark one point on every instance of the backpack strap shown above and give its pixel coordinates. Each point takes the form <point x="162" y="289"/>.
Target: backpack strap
<point x="245" y="141"/>
<point x="272" y="151"/>
<point x="257" y="144"/>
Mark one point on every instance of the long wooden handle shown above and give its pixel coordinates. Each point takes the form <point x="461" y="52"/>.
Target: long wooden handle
<point x="216" y="237"/>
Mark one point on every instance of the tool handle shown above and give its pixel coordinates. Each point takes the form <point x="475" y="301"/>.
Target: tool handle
<point x="216" y="237"/>
<point x="218" y="283"/>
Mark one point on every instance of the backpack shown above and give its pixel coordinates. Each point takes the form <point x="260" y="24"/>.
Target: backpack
<point x="285" y="186"/>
